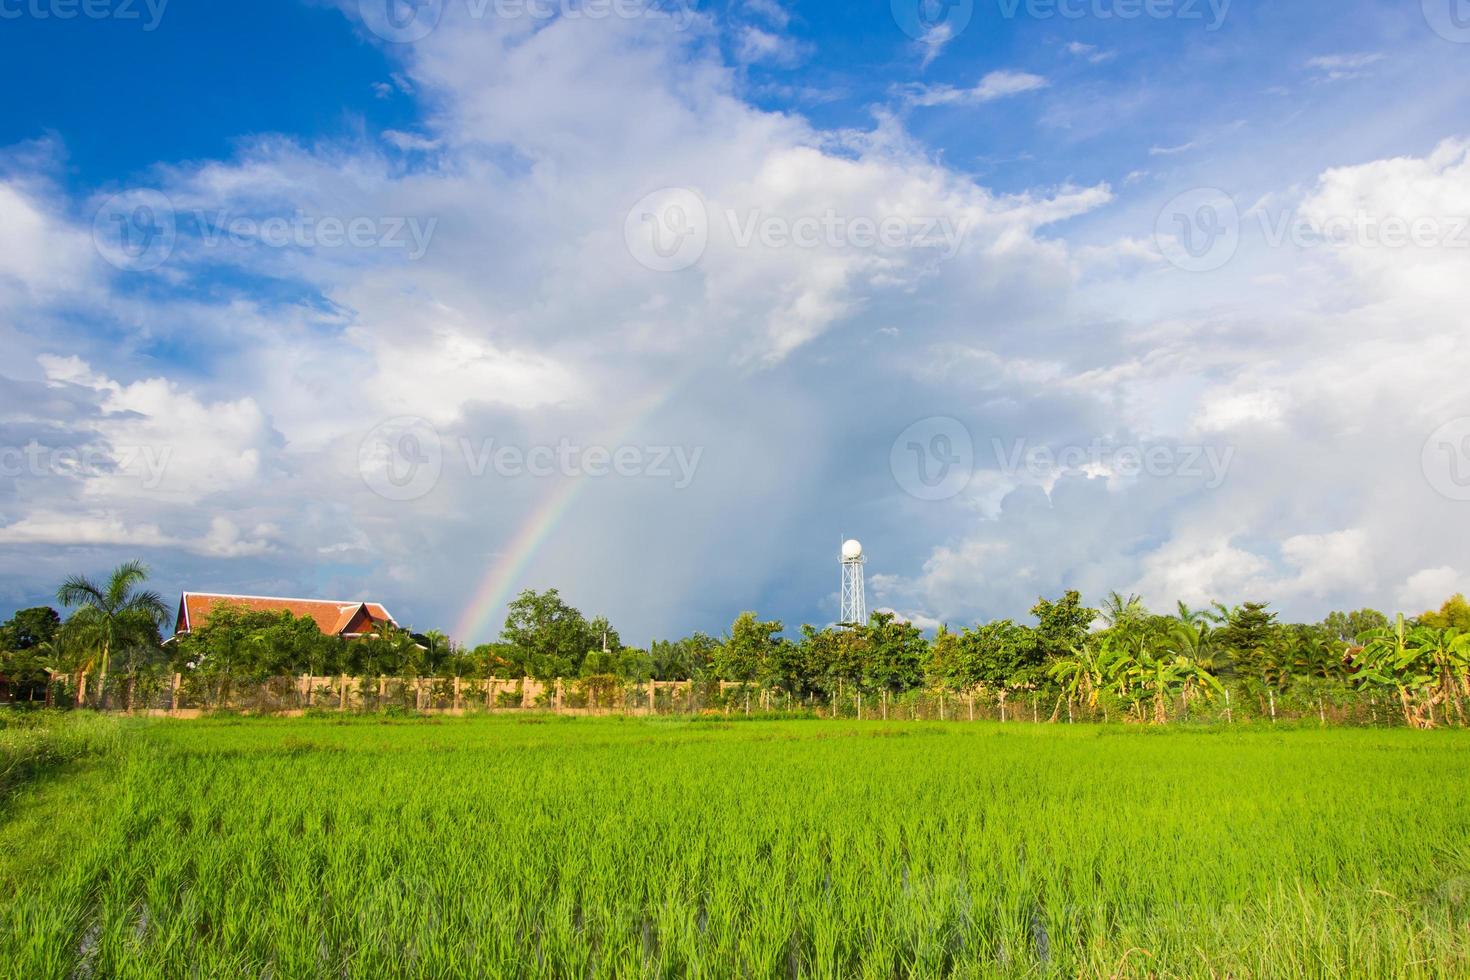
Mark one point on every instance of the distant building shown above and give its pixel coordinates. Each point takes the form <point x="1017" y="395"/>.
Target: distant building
<point x="345" y="619"/>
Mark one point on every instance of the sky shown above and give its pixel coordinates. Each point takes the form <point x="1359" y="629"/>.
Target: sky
<point x="431" y="301"/>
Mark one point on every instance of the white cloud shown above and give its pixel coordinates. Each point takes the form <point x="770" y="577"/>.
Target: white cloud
<point x="1428" y="589"/>
<point x="1336" y="67"/>
<point x="1168" y="151"/>
<point x="1091" y="53"/>
<point x="410" y="141"/>
<point x="933" y="42"/>
<point x="770" y="10"/>
<point x="757" y="46"/>
<point x="995" y="85"/>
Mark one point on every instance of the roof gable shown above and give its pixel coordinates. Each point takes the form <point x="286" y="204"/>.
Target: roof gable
<point x="331" y="617"/>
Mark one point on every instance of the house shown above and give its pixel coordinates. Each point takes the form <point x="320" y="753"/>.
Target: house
<point x="345" y="619"/>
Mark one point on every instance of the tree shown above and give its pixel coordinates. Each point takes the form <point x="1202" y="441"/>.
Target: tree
<point x="1063" y="625"/>
<point x="1315" y="651"/>
<point x="1348" y="626"/>
<point x="226" y="647"/>
<point x="26" y="646"/>
<point x="1146" y="674"/>
<point x="1120" y="612"/>
<point x="113" y="613"/>
<point x="1454" y="614"/>
<point x="745" y="654"/>
<point x="1255" y="643"/>
<point x="1386" y="660"/>
<point x="29" y="628"/>
<point x="833" y="657"/>
<point x="551" y="638"/>
<point x="895" y="654"/>
<point x="681" y="660"/>
<point x="1190" y="617"/>
<point x="999" y="654"/>
<point x="1080" y="674"/>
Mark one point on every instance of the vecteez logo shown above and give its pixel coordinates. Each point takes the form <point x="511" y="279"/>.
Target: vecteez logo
<point x="1446" y="459"/>
<point x="926" y="20"/>
<point x="401" y="21"/>
<point x="667" y="230"/>
<point x="401" y="459"/>
<point x="1450" y="19"/>
<point x="1199" y="230"/>
<point x="933" y="459"/>
<point x="136" y="231"/>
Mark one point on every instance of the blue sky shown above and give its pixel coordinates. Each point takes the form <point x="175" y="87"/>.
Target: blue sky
<point x="381" y="253"/>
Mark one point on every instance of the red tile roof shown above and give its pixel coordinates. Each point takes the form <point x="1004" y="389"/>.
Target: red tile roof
<point x="331" y="617"/>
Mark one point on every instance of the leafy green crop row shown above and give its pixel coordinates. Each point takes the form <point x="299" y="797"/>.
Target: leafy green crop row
<point x="546" y="847"/>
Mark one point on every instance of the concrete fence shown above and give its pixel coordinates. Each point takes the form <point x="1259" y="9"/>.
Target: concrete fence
<point x="186" y="696"/>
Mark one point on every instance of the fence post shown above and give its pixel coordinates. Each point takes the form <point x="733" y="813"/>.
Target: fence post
<point x="1229" y="719"/>
<point x="458" y="702"/>
<point x="1321" y="712"/>
<point x="341" y="692"/>
<point x="1271" y="697"/>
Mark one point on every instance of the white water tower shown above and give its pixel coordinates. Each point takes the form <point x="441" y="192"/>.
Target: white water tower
<point x="854" y="602"/>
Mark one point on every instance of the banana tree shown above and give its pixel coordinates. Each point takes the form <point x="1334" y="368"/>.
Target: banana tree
<point x="1392" y="657"/>
<point x="1080" y="676"/>
<point x="1191" y="676"/>
<point x="1444" y="655"/>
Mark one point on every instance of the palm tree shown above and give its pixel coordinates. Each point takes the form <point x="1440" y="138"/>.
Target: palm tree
<point x="1191" y="617"/>
<point x="1118" y="611"/>
<point x="112" y="614"/>
<point x="1219" y="613"/>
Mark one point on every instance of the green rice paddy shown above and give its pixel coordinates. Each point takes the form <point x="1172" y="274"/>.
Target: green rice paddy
<point x="554" y="847"/>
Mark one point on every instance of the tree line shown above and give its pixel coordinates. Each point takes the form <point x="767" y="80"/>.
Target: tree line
<point x="1118" y="660"/>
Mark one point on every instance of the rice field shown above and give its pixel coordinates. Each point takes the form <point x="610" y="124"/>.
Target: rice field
<point x="572" y="847"/>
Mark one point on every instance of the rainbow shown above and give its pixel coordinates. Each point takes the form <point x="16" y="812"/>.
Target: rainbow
<point x="508" y="570"/>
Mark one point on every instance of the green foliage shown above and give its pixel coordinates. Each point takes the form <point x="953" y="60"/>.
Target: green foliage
<point x="747" y="651"/>
<point x="997" y="655"/>
<point x="1348" y="626"/>
<point x="1119" y="659"/>
<point x="680" y="660"/>
<point x="391" y="847"/>
<point x="547" y="638"/>
<point x="29" y="628"/>
<point x="109" y="616"/>
<point x="32" y="744"/>
<point x="1063" y="624"/>
<point x="1454" y="614"/>
<point x="1427" y="669"/>
<point x="895" y="654"/>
